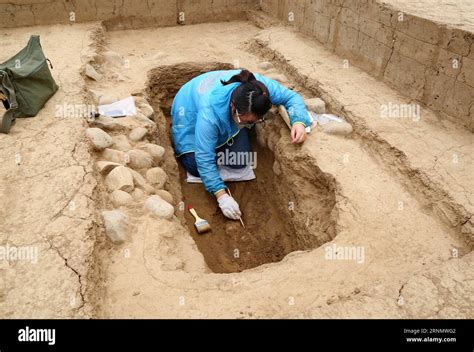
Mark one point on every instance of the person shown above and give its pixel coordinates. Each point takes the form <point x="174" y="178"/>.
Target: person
<point x="213" y="112"/>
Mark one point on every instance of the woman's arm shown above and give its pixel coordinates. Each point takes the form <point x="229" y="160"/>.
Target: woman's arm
<point x="292" y="101"/>
<point x="206" y="136"/>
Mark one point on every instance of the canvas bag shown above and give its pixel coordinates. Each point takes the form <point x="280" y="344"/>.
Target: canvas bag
<point x="26" y="83"/>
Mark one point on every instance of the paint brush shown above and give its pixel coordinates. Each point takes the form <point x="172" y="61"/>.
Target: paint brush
<point x="202" y="226"/>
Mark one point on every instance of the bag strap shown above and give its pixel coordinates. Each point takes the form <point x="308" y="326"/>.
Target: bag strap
<point x="8" y="91"/>
<point x="7" y="121"/>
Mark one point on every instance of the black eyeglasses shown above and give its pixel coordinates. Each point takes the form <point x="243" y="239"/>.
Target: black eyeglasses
<point x="246" y="124"/>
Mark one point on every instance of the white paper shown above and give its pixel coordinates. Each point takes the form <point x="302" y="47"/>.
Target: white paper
<point x="323" y="119"/>
<point x="124" y="107"/>
<point x="229" y="175"/>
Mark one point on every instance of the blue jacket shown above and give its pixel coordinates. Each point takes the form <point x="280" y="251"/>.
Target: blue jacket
<point x="202" y="121"/>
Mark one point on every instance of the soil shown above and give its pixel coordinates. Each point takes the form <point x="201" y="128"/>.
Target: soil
<point x="268" y="235"/>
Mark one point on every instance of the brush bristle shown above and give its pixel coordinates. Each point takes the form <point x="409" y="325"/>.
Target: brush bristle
<point x="202" y="226"/>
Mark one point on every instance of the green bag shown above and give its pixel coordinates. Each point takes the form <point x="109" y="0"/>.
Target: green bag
<point x="26" y="83"/>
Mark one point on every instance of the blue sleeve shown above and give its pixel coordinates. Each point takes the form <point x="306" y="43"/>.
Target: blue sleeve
<point x="205" y="152"/>
<point x="292" y="101"/>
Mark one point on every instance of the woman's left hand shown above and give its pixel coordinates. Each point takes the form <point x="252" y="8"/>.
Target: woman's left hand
<point x="298" y="133"/>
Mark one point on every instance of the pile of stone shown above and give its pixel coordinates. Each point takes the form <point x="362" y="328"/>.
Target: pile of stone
<point x="130" y="163"/>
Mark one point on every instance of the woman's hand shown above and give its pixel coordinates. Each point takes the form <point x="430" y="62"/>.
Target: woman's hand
<point x="298" y="133"/>
<point x="230" y="208"/>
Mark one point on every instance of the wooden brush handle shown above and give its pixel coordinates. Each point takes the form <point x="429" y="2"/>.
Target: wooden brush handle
<point x="196" y="216"/>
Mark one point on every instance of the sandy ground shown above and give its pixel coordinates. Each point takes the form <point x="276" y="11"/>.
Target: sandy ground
<point x="455" y="13"/>
<point x="46" y="196"/>
<point x="408" y="268"/>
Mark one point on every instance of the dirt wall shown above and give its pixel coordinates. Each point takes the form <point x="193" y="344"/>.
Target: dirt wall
<point x="119" y="14"/>
<point x="428" y="61"/>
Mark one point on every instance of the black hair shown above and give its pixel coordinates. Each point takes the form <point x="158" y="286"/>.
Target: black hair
<point x="251" y="96"/>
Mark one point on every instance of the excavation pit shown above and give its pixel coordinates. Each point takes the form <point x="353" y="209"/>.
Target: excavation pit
<point x="288" y="208"/>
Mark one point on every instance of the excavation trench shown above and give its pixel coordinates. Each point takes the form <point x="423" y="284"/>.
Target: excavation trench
<point x="289" y="207"/>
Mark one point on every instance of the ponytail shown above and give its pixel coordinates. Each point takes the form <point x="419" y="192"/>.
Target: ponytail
<point x="251" y="96"/>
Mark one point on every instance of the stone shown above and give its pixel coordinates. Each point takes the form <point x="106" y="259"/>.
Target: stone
<point x="92" y="73"/>
<point x="138" y="194"/>
<point x="108" y="98"/>
<point x="139" y="159"/>
<point x="316" y="105"/>
<point x="139" y="181"/>
<point x="105" y="123"/>
<point x="121" y="143"/>
<point x="146" y="110"/>
<point x="116" y="224"/>
<point x="159" y="207"/>
<point x="137" y="134"/>
<point x="143" y="120"/>
<point x="115" y="156"/>
<point x="156" y="151"/>
<point x="278" y="77"/>
<point x="265" y="65"/>
<point x="113" y="58"/>
<point x="104" y="167"/>
<point x="276" y="168"/>
<point x="139" y="99"/>
<point x="121" y="198"/>
<point x="157" y="177"/>
<point x="95" y="95"/>
<point x="120" y="178"/>
<point x="337" y="128"/>
<point x="165" y="195"/>
<point x="98" y="138"/>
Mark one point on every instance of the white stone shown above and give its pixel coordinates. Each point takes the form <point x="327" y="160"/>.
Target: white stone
<point x="99" y="139"/>
<point x="159" y="207"/>
<point x="156" y="151"/>
<point x="157" y="177"/>
<point x="116" y="224"/>
<point x="165" y="195"/>
<point x="277" y="168"/>
<point x="108" y="98"/>
<point x="140" y="159"/>
<point x="278" y="77"/>
<point x="92" y="73"/>
<point x="146" y="110"/>
<point x="138" y="194"/>
<point x="265" y="65"/>
<point x="95" y="95"/>
<point x="104" y="167"/>
<point x="137" y="134"/>
<point x="113" y="58"/>
<point x="121" y="198"/>
<point x="316" y="105"/>
<point x="106" y="123"/>
<point x="115" y="156"/>
<point x="139" y="99"/>
<point x="121" y="143"/>
<point x="139" y="181"/>
<point x="143" y="120"/>
<point x="337" y="128"/>
<point x="120" y="178"/>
